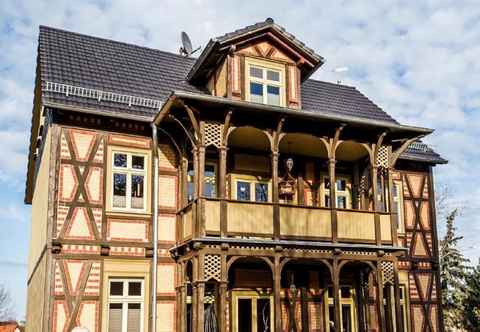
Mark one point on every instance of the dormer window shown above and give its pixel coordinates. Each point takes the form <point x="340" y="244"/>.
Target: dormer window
<point x="265" y="82"/>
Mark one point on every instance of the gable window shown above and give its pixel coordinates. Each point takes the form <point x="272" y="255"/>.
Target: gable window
<point x="265" y="82"/>
<point x="128" y="181"/>
<point x="125" y="305"/>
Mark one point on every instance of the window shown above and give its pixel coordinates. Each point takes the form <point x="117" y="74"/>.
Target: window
<point x="397" y="208"/>
<point x="125" y="305"/>
<point x="389" y="304"/>
<point x="209" y="181"/>
<point x="256" y="191"/>
<point x="342" y="187"/>
<point x="129" y="181"/>
<point x="265" y="82"/>
<point x="347" y="309"/>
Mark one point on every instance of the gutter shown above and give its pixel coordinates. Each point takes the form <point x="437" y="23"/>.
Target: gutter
<point x="394" y="127"/>
<point x="155" y="227"/>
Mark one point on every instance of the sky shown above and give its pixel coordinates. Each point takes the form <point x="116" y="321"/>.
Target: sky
<point x="418" y="60"/>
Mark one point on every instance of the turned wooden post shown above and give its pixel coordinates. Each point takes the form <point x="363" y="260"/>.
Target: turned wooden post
<point x="222" y="190"/>
<point x="276" y="294"/>
<point x="380" y="307"/>
<point x="333" y="199"/>
<point x="336" y="296"/>
<point x="374" y="176"/>
<point x="275" y="198"/>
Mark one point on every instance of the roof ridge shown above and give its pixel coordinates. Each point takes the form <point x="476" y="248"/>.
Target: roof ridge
<point x="41" y="27"/>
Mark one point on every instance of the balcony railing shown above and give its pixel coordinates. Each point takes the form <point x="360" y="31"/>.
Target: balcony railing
<point x="240" y="219"/>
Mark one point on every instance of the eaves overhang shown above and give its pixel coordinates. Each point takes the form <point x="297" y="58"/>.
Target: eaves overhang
<point x="393" y="127"/>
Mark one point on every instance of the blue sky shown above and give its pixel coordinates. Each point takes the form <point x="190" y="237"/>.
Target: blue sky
<point x="419" y="60"/>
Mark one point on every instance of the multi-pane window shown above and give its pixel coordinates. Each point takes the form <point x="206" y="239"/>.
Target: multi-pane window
<point x="125" y="305"/>
<point x="347" y="311"/>
<point x="129" y="181"/>
<point x="389" y="304"/>
<point x="397" y="208"/>
<point x="342" y="193"/>
<point x="265" y="85"/>
<point x="252" y="191"/>
<point x="209" y="181"/>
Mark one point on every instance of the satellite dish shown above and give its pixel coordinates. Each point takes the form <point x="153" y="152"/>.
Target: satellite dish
<point x="186" y="49"/>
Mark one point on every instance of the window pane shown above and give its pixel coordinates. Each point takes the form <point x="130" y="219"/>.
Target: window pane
<point x="273" y="95"/>
<point x="256" y="72"/>
<point x="190" y="185"/>
<point x="120" y="160"/>
<point x="341" y="202"/>
<point x="341" y="185"/>
<point x="115" y="317"/>
<point x="327" y="200"/>
<point x="256" y="92"/>
<point x="116" y="288"/>
<point x="119" y="190"/>
<point x="243" y="191"/>
<point x="261" y="192"/>
<point x="345" y="292"/>
<point x="137" y="191"/>
<point x="273" y="76"/>
<point x="347" y="318"/>
<point x="138" y="162"/>
<point x="135" y="288"/>
<point x="209" y="188"/>
<point x="134" y="317"/>
<point x="244" y="322"/>
<point x="263" y="315"/>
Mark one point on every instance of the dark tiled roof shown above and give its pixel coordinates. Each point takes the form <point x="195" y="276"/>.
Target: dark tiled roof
<point x="96" y="63"/>
<point x="420" y="151"/>
<point x="261" y="25"/>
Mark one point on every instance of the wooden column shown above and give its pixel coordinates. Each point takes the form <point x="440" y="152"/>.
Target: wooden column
<point x="393" y="217"/>
<point x="336" y="295"/>
<point x="200" y="285"/>
<point x="275" y="198"/>
<point x="333" y="199"/>
<point x="181" y="299"/>
<point x="398" y="312"/>
<point x="222" y="190"/>
<point x="184" y="182"/>
<point x="380" y="307"/>
<point x="222" y="294"/>
<point x="360" y="301"/>
<point x="374" y="175"/>
<point x="276" y="294"/>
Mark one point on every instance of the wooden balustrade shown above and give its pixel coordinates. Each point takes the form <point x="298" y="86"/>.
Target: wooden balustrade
<point x="253" y="219"/>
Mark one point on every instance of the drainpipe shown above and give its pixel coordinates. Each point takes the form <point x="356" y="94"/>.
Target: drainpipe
<point x="155" y="227"/>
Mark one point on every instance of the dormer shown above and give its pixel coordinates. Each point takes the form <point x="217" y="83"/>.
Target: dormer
<point x="261" y="63"/>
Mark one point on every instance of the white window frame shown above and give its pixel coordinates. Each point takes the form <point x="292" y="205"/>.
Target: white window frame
<point x="343" y="301"/>
<point x="399" y="201"/>
<point x="125" y="300"/>
<point x="252" y="189"/>
<point x="129" y="171"/>
<point x="265" y="66"/>
<point x="338" y="193"/>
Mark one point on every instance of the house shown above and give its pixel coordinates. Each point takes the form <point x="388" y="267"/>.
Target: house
<point x="228" y="192"/>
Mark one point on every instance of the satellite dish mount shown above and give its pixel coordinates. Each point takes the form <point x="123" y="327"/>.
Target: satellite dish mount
<point x="186" y="49"/>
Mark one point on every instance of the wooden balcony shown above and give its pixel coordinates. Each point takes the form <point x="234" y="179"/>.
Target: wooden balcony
<point x="268" y="221"/>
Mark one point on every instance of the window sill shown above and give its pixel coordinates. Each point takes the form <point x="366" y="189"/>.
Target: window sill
<point x="128" y="213"/>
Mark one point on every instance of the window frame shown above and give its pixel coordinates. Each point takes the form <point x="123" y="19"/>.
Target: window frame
<point x="124" y="300"/>
<point x="343" y="301"/>
<point x="347" y="193"/>
<point x="129" y="171"/>
<point x="265" y="65"/>
<point x="252" y="182"/>
<point x="398" y="199"/>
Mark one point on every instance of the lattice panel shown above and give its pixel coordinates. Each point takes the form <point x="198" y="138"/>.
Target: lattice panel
<point x="383" y="157"/>
<point x="212" y="267"/>
<point x="388" y="274"/>
<point x="213" y="134"/>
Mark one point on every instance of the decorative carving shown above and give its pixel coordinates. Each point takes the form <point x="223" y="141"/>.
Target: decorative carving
<point x="212" y="267"/>
<point x="213" y="134"/>
<point x="388" y="274"/>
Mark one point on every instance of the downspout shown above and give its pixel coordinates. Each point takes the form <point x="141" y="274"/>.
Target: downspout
<point x="155" y="227"/>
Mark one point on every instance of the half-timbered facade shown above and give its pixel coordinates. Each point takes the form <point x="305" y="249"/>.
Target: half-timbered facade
<point x="228" y="192"/>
